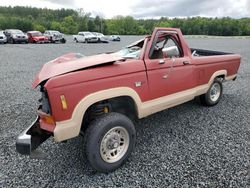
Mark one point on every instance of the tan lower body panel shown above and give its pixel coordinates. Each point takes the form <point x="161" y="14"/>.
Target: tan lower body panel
<point x="156" y="105"/>
<point x="228" y="78"/>
<point x="71" y="128"/>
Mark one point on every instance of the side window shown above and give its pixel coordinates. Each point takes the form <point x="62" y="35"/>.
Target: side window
<point x="169" y="43"/>
<point x="164" y="41"/>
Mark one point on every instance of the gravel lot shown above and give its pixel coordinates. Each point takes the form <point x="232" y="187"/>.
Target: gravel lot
<point x="186" y="146"/>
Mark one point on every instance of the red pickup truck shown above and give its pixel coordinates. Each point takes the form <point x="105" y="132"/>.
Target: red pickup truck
<point x="100" y="95"/>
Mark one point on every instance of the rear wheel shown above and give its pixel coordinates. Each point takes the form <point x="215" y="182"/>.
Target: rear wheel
<point x="51" y="40"/>
<point x="214" y="93"/>
<point x="63" y="40"/>
<point x="109" y="141"/>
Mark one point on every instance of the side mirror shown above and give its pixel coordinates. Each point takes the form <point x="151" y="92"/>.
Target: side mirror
<point x="170" y="52"/>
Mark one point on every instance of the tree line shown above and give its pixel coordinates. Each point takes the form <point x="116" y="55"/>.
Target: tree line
<point x="71" y="21"/>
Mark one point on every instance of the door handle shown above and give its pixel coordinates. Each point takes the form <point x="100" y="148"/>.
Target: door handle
<point x="161" y="61"/>
<point x="186" y="63"/>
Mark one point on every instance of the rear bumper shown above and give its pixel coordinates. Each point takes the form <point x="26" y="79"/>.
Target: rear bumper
<point x="31" y="138"/>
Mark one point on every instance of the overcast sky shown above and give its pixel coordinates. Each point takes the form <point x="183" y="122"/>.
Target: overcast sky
<point x="146" y="8"/>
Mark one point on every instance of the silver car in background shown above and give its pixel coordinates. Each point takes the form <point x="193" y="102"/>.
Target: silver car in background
<point x="101" y="37"/>
<point x="15" y="36"/>
<point x="3" y="38"/>
<point x="115" y="38"/>
<point x="89" y="37"/>
<point x="54" y="36"/>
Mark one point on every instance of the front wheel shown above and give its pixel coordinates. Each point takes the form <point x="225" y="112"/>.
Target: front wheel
<point x="12" y="41"/>
<point x="109" y="141"/>
<point x="214" y="93"/>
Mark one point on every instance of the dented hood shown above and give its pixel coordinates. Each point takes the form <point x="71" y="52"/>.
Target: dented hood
<point x="71" y="62"/>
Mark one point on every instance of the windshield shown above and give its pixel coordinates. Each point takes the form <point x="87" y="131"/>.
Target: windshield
<point x="16" y="32"/>
<point x="36" y="34"/>
<point x="1" y="33"/>
<point x="130" y="53"/>
<point x="55" y="32"/>
<point x="88" y="34"/>
<point x="98" y="34"/>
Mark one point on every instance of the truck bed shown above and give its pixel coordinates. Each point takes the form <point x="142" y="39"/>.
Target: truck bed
<point x="202" y="52"/>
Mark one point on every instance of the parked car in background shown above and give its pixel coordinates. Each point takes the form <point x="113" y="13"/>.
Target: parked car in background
<point x="3" y="38"/>
<point x="101" y="37"/>
<point x="55" y="36"/>
<point x="15" y="36"/>
<point x="79" y="37"/>
<point x="37" y="37"/>
<point x="115" y="38"/>
<point x="85" y="36"/>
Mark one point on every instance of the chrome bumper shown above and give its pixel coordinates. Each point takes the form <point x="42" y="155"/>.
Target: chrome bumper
<point x="31" y="138"/>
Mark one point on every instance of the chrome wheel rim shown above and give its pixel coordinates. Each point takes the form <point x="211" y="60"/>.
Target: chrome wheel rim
<point x="114" y="144"/>
<point x="215" y="92"/>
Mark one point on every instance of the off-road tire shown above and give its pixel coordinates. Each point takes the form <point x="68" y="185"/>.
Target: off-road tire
<point x="12" y="41"/>
<point x="95" y="139"/>
<point x="207" y="98"/>
<point x="63" y="41"/>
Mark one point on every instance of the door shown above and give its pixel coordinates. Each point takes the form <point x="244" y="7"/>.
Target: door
<point x="168" y="75"/>
<point x="81" y="37"/>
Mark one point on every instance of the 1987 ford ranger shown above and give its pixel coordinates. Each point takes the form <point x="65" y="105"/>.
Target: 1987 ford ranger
<point x="100" y="95"/>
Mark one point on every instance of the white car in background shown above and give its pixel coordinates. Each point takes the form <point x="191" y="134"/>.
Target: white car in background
<point x="79" y="37"/>
<point x="101" y="37"/>
<point x="85" y="36"/>
<point x="115" y="38"/>
<point x="3" y="38"/>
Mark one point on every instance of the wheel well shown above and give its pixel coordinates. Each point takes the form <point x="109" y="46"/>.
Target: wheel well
<point x="221" y="77"/>
<point x="123" y="104"/>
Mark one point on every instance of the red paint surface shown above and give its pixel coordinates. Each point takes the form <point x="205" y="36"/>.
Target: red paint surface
<point x="70" y="62"/>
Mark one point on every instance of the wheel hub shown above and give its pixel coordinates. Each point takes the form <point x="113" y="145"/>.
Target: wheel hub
<point x="215" y="92"/>
<point x="114" y="144"/>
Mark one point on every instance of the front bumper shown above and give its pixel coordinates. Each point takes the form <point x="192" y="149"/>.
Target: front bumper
<point x="3" y="40"/>
<point x="31" y="138"/>
<point x="41" y="41"/>
<point x="20" y="39"/>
